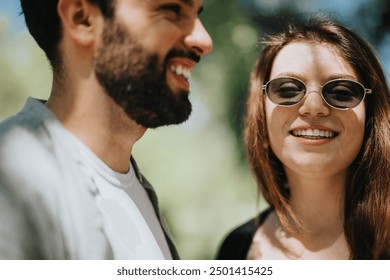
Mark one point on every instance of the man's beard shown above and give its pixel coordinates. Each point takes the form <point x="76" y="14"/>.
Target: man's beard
<point x="134" y="80"/>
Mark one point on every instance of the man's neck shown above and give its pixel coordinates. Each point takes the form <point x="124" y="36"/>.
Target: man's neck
<point x="93" y="117"/>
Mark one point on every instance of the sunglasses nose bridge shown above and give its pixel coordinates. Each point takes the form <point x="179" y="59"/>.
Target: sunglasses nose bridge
<point x="314" y="104"/>
<point x="313" y="88"/>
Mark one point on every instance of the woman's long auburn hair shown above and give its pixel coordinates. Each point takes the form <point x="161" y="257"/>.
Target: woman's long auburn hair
<point x="367" y="193"/>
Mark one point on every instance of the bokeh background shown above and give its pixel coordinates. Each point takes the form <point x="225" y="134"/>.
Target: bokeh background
<point x="198" y="168"/>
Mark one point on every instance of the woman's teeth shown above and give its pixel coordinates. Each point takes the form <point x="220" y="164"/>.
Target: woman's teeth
<point x="314" y="133"/>
<point x="181" y="71"/>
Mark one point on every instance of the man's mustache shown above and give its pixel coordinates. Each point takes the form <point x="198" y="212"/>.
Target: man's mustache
<point x="186" y="54"/>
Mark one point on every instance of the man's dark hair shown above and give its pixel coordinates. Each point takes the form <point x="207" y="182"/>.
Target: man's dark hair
<point x="44" y="23"/>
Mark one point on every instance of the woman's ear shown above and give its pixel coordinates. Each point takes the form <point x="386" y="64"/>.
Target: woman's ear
<point x="79" y="20"/>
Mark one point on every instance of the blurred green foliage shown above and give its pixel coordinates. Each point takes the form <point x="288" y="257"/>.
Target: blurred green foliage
<point x="24" y="70"/>
<point x="198" y="168"/>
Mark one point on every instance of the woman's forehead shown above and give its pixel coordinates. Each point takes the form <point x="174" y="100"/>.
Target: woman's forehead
<point x="312" y="60"/>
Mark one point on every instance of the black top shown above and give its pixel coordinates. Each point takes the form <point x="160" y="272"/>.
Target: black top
<point x="237" y="243"/>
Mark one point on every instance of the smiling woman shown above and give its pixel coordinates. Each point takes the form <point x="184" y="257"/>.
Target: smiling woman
<point x="295" y="131"/>
<point x="317" y="123"/>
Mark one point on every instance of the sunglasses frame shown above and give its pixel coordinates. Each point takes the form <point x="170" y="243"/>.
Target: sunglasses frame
<point x="365" y="90"/>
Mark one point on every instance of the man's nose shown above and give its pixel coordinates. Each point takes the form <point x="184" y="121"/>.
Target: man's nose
<point x="199" y="40"/>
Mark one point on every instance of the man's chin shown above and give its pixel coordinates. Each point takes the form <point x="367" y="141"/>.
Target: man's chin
<point x="155" y="123"/>
<point x="165" y="117"/>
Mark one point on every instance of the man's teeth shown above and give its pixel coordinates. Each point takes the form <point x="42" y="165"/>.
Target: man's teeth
<point x="314" y="133"/>
<point x="181" y="71"/>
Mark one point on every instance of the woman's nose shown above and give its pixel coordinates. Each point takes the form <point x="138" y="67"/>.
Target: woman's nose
<point x="314" y="105"/>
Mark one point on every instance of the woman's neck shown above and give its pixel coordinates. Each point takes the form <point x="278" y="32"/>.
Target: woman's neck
<point x="312" y="197"/>
<point x="318" y="203"/>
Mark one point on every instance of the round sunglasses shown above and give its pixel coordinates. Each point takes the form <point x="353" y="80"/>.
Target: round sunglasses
<point x="340" y="94"/>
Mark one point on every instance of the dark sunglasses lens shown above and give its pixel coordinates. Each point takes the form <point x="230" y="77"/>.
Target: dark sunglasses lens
<point x="343" y="94"/>
<point x="285" y="91"/>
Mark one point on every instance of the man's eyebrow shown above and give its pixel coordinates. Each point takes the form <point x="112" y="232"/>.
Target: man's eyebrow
<point x="191" y="4"/>
<point x="188" y="2"/>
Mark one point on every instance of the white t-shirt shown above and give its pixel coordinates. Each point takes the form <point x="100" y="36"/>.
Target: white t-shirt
<point x="130" y="221"/>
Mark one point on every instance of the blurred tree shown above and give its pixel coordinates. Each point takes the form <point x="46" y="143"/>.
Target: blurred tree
<point x="10" y="90"/>
<point x="235" y="38"/>
<point x="24" y="70"/>
<point x="377" y="15"/>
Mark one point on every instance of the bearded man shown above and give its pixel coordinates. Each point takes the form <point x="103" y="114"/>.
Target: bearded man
<point x="69" y="187"/>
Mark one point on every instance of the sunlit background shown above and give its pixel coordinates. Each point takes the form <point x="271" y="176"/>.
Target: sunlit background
<point x="198" y="168"/>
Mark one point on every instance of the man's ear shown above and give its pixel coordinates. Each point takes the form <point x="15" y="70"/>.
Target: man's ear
<point x="79" y="20"/>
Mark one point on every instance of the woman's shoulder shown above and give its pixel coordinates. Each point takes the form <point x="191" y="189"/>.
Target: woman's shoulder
<point x="236" y="245"/>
